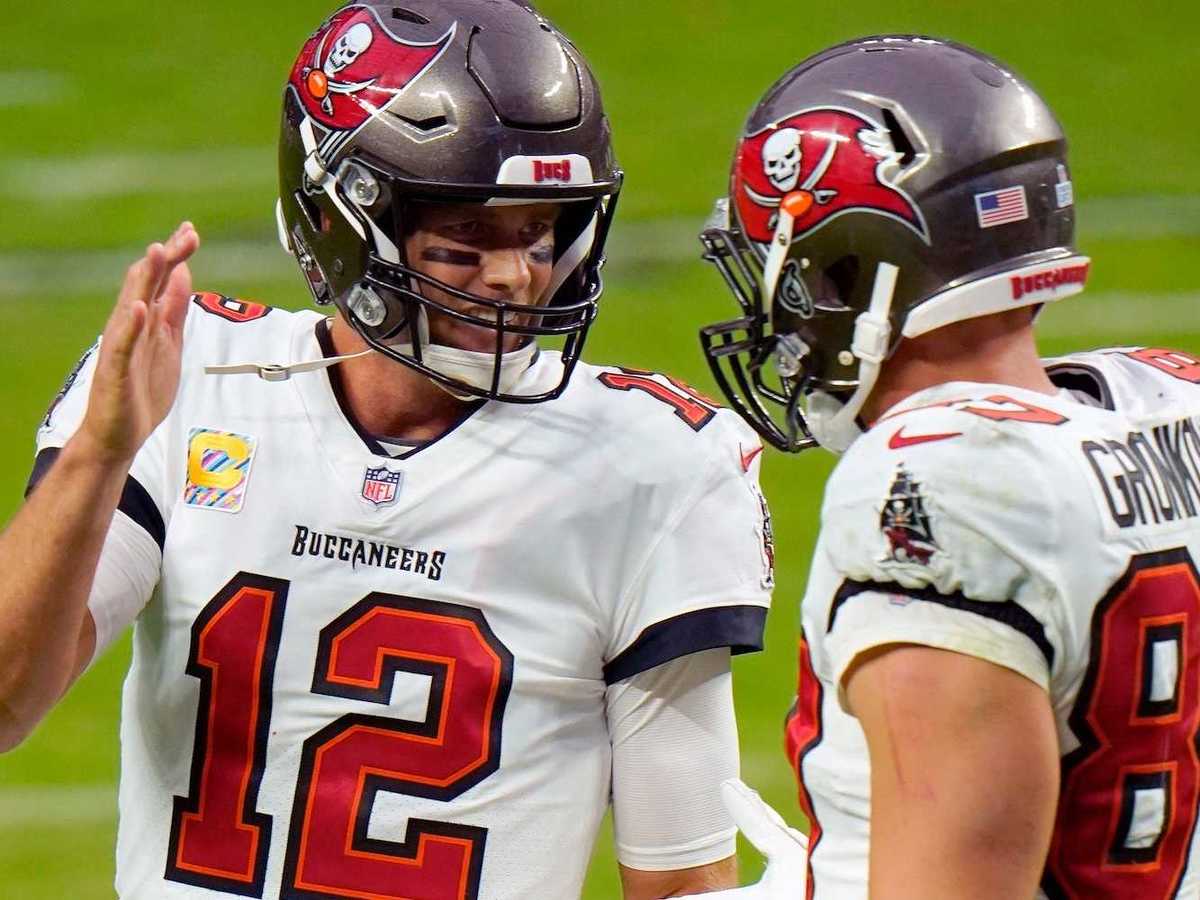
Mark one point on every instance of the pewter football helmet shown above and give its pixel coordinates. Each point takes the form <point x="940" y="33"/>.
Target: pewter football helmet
<point x="466" y="101"/>
<point x="881" y="189"/>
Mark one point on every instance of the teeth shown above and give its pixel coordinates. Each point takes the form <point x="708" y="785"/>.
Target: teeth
<point x="493" y="316"/>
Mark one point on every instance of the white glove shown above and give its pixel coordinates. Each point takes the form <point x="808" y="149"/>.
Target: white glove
<point x="785" y="848"/>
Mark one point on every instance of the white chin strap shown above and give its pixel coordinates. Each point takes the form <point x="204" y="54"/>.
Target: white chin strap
<point x="469" y="366"/>
<point x="834" y="423"/>
<point x="277" y="372"/>
<point x="777" y="255"/>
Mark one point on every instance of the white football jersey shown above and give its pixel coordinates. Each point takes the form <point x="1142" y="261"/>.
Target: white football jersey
<point x="366" y="676"/>
<point x="1053" y="535"/>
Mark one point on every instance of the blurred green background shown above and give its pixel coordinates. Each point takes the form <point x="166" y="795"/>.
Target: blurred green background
<point x="124" y="117"/>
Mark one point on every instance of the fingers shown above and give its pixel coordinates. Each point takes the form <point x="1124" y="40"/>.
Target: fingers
<point x="159" y="279"/>
<point x="182" y="244"/>
<point x="129" y="315"/>
<point x="179" y="246"/>
<point x="178" y="286"/>
<point x="143" y="276"/>
<point x="165" y="301"/>
<point x="124" y="328"/>
<point x="175" y="298"/>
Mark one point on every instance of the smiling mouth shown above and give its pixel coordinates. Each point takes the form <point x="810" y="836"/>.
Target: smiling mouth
<point x="478" y="336"/>
<point x="492" y="317"/>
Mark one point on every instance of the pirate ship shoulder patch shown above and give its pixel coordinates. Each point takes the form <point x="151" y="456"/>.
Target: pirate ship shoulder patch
<point x="904" y="521"/>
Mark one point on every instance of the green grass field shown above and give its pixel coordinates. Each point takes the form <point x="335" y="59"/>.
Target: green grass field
<point x="123" y="118"/>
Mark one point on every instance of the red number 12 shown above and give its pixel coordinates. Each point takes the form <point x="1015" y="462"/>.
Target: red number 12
<point x="218" y="838"/>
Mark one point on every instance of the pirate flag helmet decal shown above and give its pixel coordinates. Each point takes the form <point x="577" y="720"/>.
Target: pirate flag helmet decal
<point x="354" y="66"/>
<point x="820" y="163"/>
<point x="389" y="110"/>
<point x="881" y="189"/>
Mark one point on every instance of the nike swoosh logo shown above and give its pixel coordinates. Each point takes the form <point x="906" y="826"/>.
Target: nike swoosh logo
<point x="899" y="440"/>
<point x="748" y="458"/>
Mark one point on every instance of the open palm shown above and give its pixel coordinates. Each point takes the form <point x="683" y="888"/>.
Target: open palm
<point x="137" y="373"/>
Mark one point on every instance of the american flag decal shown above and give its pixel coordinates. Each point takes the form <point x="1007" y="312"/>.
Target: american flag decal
<point x="1002" y="206"/>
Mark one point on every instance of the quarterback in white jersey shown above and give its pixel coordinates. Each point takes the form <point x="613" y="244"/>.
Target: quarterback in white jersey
<point x="438" y="628"/>
<point x="415" y="598"/>
<point x="999" y="671"/>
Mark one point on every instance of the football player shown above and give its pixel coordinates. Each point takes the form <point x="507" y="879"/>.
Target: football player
<point x="414" y="590"/>
<point x="999" y="692"/>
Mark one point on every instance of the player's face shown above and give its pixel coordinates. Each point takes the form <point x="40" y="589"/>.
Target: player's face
<point x="496" y="252"/>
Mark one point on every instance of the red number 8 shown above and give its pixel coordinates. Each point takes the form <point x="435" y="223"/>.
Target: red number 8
<point x="1128" y="802"/>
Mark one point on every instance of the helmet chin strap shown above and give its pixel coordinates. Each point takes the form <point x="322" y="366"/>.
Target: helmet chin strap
<point x="473" y="368"/>
<point x="781" y="242"/>
<point x="834" y="422"/>
<point x="278" y="372"/>
<point x="468" y="366"/>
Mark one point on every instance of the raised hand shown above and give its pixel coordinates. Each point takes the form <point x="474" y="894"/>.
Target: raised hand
<point x="137" y="373"/>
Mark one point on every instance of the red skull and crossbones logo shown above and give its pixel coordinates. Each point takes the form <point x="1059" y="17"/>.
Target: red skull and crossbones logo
<point x="817" y="164"/>
<point x="354" y="66"/>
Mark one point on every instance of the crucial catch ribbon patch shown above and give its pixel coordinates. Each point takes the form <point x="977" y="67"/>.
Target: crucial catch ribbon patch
<point x="218" y="469"/>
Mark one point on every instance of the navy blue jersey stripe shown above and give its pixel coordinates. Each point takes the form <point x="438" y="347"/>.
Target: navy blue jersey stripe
<point x="1009" y="612"/>
<point x="135" y="499"/>
<point x="740" y="628"/>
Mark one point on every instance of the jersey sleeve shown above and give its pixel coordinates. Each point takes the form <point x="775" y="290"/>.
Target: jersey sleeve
<point x="130" y="561"/>
<point x="126" y="576"/>
<point x="674" y="740"/>
<point x="945" y="545"/>
<point x="704" y="579"/>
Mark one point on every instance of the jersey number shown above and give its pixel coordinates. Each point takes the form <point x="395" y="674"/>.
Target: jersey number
<point x="230" y="309"/>
<point x="689" y="404"/>
<point x="1176" y="363"/>
<point x="1128" y="802"/>
<point x="218" y="838"/>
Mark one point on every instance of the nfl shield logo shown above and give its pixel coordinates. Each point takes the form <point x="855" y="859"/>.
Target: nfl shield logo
<point x="381" y="486"/>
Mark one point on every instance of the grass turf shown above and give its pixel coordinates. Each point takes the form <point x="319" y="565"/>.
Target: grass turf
<point x="143" y="116"/>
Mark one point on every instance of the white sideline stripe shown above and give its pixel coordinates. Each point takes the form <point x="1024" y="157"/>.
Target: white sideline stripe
<point x="220" y="264"/>
<point x="31" y="806"/>
<point x="219" y="168"/>
<point x="225" y="263"/>
<point x="1138" y="217"/>
<point x="1115" y="315"/>
<point x="1121" y="315"/>
<point x="102" y="176"/>
<point x="32" y="88"/>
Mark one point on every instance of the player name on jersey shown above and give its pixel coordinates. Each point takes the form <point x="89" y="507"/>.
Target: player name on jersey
<point x="1151" y="477"/>
<point x="358" y="551"/>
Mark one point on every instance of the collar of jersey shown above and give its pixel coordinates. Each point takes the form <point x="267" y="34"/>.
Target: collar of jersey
<point x="370" y="441"/>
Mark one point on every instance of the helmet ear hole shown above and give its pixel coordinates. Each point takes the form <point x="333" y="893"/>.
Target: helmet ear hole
<point x="843" y="275"/>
